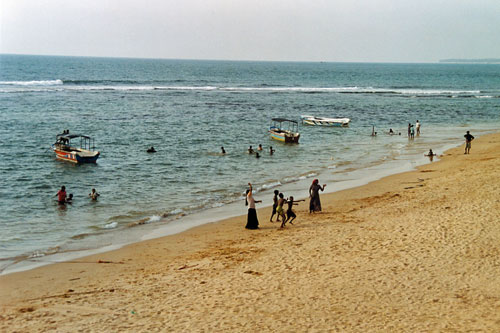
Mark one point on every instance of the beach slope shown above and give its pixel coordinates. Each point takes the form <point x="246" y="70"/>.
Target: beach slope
<point x="418" y="251"/>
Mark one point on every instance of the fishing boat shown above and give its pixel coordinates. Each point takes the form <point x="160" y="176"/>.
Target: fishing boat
<point x="285" y="130"/>
<point x="322" y="121"/>
<point x="65" y="148"/>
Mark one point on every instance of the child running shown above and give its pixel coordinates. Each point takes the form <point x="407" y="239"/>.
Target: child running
<point x="279" y="209"/>
<point x="275" y="204"/>
<point x="290" y="213"/>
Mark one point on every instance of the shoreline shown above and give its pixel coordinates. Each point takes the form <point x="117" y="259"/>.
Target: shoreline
<point x="179" y="224"/>
<point x="415" y="251"/>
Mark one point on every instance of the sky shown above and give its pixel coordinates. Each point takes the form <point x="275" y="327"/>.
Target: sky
<point x="274" y="30"/>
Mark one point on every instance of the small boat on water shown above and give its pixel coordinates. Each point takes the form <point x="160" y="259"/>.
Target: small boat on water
<point x="285" y="130"/>
<point x="66" y="150"/>
<point x="322" y="121"/>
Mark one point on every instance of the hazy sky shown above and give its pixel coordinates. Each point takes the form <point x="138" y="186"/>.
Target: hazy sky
<point x="296" y="30"/>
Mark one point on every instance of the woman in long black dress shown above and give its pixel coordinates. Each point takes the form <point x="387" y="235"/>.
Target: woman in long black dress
<point x="252" y="221"/>
<point x="315" y="203"/>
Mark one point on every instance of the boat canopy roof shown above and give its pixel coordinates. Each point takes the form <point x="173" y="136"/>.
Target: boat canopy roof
<point x="281" y="120"/>
<point x="72" y="136"/>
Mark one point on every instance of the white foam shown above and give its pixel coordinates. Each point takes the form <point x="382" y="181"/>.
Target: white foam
<point x="176" y="211"/>
<point x="271" y="185"/>
<point x="111" y="225"/>
<point x="154" y="218"/>
<point x="36" y="254"/>
<point x="32" y="83"/>
<point x="411" y="91"/>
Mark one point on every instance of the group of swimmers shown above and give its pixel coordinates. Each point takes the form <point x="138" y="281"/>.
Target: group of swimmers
<point x="411" y="130"/>
<point x="62" y="198"/>
<point x="257" y="155"/>
<point x="251" y="151"/>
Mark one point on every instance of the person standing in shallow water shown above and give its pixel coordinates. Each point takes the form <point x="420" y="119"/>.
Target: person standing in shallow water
<point x="315" y="202"/>
<point x="61" y="195"/>
<point x="94" y="195"/>
<point x="252" y="221"/>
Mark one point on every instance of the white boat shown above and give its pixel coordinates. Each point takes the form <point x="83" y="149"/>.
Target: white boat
<point x="322" y="121"/>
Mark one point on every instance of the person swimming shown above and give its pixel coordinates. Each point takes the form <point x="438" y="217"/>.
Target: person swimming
<point x="151" y="150"/>
<point x="271" y="150"/>
<point x="222" y="150"/>
<point x="250" y="150"/>
<point x="94" y="195"/>
<point x="431" y="155"/>
<point x="260" y="147"/>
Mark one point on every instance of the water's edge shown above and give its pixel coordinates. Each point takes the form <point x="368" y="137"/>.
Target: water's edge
<point x="298" y="189"/>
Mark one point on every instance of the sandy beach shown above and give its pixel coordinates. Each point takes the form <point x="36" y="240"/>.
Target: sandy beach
<point x="412" y="252"/>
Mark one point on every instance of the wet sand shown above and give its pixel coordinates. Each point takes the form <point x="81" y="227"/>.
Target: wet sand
<point x="414" y="252"/>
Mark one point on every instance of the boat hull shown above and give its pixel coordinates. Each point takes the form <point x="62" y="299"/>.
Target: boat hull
<point x="320" y="121"/>
<point x="77" y="156"/>
<point x="324" y="123"/>
<point x="284" y="137"/>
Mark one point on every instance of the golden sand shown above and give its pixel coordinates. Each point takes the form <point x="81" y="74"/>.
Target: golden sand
<point x="413" y="252"/>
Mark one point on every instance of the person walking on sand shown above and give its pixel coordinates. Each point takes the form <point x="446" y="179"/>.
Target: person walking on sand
<point x="290" y="214"/>
<point x="252" y="221"/>
<point x="468" y="141"/>
<point x="275" y="205"/>
<point x="412" y="132"/>
<point x="417" y="126"/>
<point x="315" y="202"/>
<point x="61" y="195"/>
<point x="93" y="195"/>
<point x="409" y="129"/>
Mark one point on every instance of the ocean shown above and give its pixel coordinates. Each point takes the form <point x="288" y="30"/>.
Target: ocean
<point x="187" y="110"/>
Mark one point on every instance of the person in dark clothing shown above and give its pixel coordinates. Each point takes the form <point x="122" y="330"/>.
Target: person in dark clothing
<point x="252" y="221"/>
<point x="468" y="140"/>
<point x="315" y="203"/>
<point x="290" y="214"/>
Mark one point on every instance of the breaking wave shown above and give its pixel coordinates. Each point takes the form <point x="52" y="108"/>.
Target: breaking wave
<point x="126" y="85"/>
<point x="32" y="83"/>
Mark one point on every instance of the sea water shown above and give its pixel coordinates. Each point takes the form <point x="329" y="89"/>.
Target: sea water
<point x="187" y="110"/>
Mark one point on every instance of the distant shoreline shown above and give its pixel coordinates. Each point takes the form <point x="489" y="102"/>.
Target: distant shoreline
<point x="472" y="61"/>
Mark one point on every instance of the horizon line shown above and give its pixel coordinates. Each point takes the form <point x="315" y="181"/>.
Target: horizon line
<point x="215" y="59"/>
